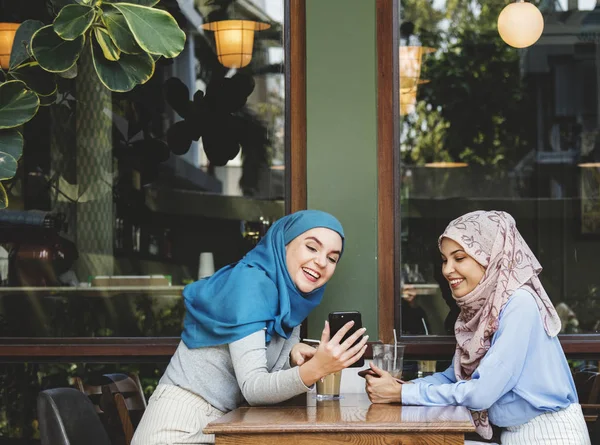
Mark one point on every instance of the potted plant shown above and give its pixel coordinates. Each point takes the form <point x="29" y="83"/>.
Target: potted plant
<point x="123" y="41"/>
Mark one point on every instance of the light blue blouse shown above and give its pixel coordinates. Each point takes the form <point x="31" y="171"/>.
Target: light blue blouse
<point x="524" y="373"/>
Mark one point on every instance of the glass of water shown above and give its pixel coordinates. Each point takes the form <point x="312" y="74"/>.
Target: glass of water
<point x="389" y="358"/>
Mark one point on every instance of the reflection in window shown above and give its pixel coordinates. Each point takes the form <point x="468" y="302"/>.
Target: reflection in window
<point x="497" y="128"/>
<point x="123" y="198"/>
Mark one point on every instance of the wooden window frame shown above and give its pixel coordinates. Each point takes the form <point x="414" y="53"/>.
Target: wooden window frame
<point x="388" y="237"/>
<point x="20" y="349"/>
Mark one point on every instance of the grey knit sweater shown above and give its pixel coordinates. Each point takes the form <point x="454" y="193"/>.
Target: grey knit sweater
<point x="246" y="370"/>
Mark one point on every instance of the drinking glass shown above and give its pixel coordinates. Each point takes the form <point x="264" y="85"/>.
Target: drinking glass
<point x="389" y="358"/>
<point x="328" y="388"/>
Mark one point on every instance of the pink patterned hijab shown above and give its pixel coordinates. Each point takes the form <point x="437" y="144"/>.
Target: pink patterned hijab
<point x="492" y="239"/>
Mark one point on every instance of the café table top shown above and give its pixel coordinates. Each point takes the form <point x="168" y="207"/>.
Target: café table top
<point x="351" y="413"/>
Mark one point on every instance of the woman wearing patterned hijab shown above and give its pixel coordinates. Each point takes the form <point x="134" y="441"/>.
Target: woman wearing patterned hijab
<point x="509" y="368"/>
<point x="241" y="332"/>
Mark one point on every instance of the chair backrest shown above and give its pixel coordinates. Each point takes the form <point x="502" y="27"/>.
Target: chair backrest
<point x="129" y="400"/>
<point x="68" y="417"/>
<point x="100" y="394"/>
<point x="94" y="392"/>
<point x="119" y="401"/>
<point x="130" y="386"/>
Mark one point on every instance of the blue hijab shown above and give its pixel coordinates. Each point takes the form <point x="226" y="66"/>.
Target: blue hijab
<point x="256" y="292"/>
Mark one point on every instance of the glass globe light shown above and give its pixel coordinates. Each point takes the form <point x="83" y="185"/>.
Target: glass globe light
<point x="520" y="24"/>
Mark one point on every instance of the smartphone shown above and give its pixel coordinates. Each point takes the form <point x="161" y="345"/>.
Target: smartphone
<point x="366" y="372"/>
<point x="339" y="319"/>
<point x="369" y="371"/>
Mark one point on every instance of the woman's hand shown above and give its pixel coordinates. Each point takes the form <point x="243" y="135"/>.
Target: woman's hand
<point x="384" y="388"/>
<point x="301" y="353"/>
<point x="331" y="355"/>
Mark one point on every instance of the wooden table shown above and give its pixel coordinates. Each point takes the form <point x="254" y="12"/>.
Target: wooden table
<point x="350" y="420"/>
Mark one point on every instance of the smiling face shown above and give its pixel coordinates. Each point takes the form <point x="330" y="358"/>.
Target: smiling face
<point x="311" y="258"/>
<point x="462" y="271"/>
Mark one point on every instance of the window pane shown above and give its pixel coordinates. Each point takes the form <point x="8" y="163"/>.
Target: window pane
<point x="122" y="198"/>
<point x="487" y="126"/>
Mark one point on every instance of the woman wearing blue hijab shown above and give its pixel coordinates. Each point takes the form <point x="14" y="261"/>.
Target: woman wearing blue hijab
<point x="240" y="342"/>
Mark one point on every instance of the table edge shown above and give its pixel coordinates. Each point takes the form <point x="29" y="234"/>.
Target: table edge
<point x="337" y="427"/>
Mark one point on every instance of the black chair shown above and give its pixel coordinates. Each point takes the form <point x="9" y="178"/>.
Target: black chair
<point x="68" y="417"/>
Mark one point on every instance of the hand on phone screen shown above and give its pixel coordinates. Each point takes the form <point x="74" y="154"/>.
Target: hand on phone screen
<point x="339" y="319"/>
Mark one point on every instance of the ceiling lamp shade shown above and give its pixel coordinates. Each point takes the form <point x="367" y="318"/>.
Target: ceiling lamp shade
<point x="7" y="37"/>
<point x="235" y="39"/>
<point x="410" y="58"/>
<point x="408" y="101"/>
<point x="520" y="24"/>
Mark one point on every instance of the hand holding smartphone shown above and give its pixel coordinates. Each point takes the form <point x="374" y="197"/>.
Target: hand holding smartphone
<point x="365" y="372"/>
<point x="337" y="320"/>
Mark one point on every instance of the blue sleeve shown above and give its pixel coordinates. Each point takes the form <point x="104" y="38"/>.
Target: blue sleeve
<point x="497" y="373"/>
<point x="439" y="378"/>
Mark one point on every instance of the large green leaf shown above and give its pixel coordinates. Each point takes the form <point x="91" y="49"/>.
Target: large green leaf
<point x="71" y="73"/>
<point x="36" y="78"/>
<point x="124" y="74"/>
<point x="57" y="5"/>
<point x="53" y="53"/>
<point x="46" y="101"/>
<point x="11" y="142"/>
<point x="148" y="3"/>
<point x="8" y="166"/>
<point x="109" y="49"/>
<point x="154" y="30"/>
<point x="119" y="30"/>
<point x="3" y="197"/>
<point x="11" y="149"/>
<point x="73" y="21"/>
<point x="18" y="104"/>
<point x="20" y="49"/>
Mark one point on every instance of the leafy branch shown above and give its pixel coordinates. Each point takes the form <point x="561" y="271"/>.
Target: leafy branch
<point x="123" y="40"/>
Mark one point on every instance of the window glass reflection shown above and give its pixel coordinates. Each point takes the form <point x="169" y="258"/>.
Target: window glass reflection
<point x="121" y="199"/>
<point x="487" y="126"/>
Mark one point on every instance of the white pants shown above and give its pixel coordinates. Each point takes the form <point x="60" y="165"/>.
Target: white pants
<point x="175" y="416"/>
<point x="564" y="427"/>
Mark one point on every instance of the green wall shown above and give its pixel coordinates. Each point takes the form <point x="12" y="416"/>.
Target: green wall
<point x="342" y="147"/>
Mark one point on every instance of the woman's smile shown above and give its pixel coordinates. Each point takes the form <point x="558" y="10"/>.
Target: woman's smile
<point x="455" y="282"/>
<point x="311" y="275"/>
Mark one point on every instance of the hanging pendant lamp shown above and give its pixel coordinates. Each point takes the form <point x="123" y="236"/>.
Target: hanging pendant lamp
<point x="235" y="39"/>
<point x="520" y="24"/>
